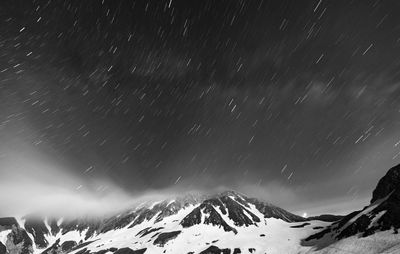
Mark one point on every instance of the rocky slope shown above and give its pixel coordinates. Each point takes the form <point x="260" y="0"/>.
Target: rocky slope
<point x="156" y="227"/>
<point x="382" y="214"/>
<point x="228" y="222"/>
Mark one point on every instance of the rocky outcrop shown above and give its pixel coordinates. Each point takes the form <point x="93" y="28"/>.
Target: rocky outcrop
<point x="68" y="245"/>
<point x="383" y="213"/>
<point x="388" y="184"/>
<point x="211" y="217"/>
<point x="3" y="249"/>
<point x="7" y="223"/>
<point x="163" y="238"/>
<point x="130" y="251"/>
<point x="18" y="241"/>
<point x="215" y="250"/>
<point x="36" y="227"/>
<point x="238" y="209"/>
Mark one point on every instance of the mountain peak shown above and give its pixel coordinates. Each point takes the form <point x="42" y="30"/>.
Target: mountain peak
<point x="231" y="193"/>
<point x="387" y="184"/>
<point x="380" y="215"/>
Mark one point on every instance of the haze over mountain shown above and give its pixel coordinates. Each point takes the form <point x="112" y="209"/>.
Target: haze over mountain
<point x="250" y="121"/>
<point x="228" y="222"/>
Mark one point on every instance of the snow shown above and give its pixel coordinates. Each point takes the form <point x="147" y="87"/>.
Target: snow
<point x="270" y="235"/>
<point x="365" y="211"/>
<point x="380" y="242"/>
<point x="376" y="218"/>
<point x="3" y="236"/>
<point x="279" y="236"/>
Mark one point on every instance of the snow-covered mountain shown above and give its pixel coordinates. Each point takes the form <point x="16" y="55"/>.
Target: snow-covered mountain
<point x="228" y="222"/>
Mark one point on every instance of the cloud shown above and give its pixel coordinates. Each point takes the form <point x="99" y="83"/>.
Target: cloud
<point x="30" y="184"/>
<point x="33" y="182"/>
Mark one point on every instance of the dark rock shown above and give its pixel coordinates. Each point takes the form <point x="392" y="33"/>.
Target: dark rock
<point x="55" y="248"/>
<point x="301" y="225"/>
<point x="215" y="250"/>
<point x="68" y="245"/>
<point x="251" y="250"/>
<point x="140" y="251"/>
<point x="82" y="244"/>
<point x="35" y="225"/>
<point x="147" y="231"/>
<point x="237" y="213"/>
<point x="54" y="228"/>
<point x="213" y="217"/>
<point x="271" y="211"/>
<point x="237" y="251"/>
<point x="385" y="199"/>
<point x="92" y="225"/>
<point x="326" y="217"/>
<point x="130" y="251"/>
<point x="19" y="241"/>
<point x="387" y="184"/>
<point x="83" y="251"/>
<point x="7" y="223"/>
<point x="3" y="249"/>
<point x="100" y="252"/>
<point x="119" y="222"/>
<point x="163" y="238"/>
<point x="358" y="226"/>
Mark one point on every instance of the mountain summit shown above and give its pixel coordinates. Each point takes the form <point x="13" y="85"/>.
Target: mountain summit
<point x="151" y="226"/>
<point x="228" y="222"/>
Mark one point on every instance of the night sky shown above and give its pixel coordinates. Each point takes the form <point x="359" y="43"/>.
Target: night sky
<point x="296" y="102"/>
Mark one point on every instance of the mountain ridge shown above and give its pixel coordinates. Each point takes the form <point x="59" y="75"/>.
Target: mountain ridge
<point x="226" y="222"/>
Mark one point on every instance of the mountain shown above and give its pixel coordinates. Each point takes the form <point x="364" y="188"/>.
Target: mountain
<point x="228" y="222"/>
<point x="382" y="215"/>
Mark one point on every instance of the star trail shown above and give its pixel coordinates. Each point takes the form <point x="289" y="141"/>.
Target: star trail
<point x="294" y="101"/>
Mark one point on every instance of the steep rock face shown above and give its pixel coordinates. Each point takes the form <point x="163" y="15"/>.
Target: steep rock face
<point x="388" y="187"/>
<point x="271" y="211"/>
<point x="383" y="213"/>
<point x="388" y="184"/>
<point x="229" y="210"/>
<point x="230" y="207"/>
<point x="68" y="245"/>
<point x="35" y="225"/>
<point x="18" y="241"/>
<point x="3" y="249"/>
<point x="238" y="210"/>
<point x="92" y="225"/>
<point x="7" y="223"/>
<point x="55" y="248"/>
<point x="207" y="214"/>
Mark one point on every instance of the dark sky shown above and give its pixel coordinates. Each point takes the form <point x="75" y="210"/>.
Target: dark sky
<point x="295" y="101"/>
